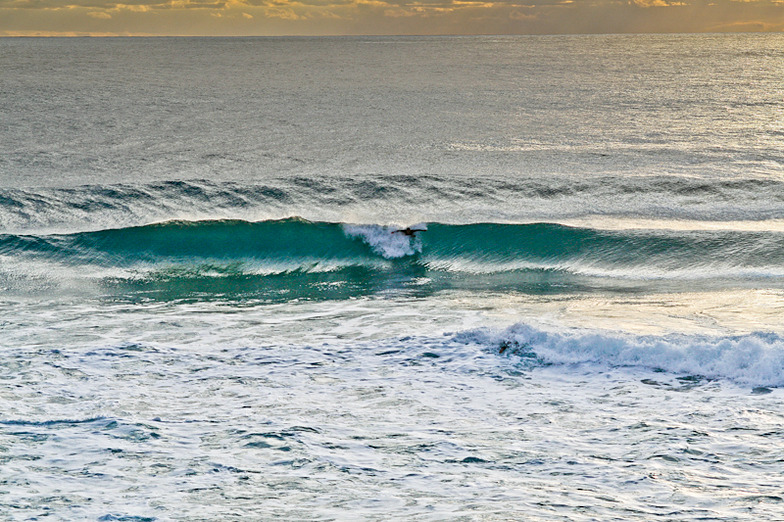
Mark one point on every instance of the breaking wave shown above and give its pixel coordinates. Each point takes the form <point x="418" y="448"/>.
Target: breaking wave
<point x="221" y="256"/>
<point x="755" y="359"/>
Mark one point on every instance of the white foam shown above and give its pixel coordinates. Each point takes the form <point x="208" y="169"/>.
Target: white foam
<point x="755" y="359"/>
<point x="384" y="241"/>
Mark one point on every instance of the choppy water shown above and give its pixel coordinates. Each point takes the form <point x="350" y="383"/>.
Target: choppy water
<point x="207" y="314"/>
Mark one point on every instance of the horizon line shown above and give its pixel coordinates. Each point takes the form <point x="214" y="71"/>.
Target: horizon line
<point x="370" y="35"/>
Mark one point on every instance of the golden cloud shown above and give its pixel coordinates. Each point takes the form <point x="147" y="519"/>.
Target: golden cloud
<point x="656" y="3"/>
<point x="385" y="16"/>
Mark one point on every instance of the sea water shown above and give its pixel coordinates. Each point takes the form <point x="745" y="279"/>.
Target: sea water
<point x="206" y="312"/>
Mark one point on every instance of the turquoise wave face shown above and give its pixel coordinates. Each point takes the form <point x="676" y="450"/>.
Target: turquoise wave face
<point x="298" y="259"/>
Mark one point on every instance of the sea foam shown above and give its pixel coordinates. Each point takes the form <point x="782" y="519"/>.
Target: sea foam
<point x="385" y="241"/>
<point x="755" y="359"/>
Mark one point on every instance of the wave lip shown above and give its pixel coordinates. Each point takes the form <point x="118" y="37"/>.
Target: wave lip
<point x="755" y="359"/>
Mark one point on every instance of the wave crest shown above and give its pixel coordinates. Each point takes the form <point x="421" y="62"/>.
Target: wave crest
<point x="530" y="258"/>
<point x="755" y="359"/>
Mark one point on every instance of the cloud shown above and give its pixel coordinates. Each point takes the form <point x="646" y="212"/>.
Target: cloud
<point x="657" y="3"/>
<point x="386" y="16"/>
<point x="139" y="5"/>
<point x="753" y="26"/>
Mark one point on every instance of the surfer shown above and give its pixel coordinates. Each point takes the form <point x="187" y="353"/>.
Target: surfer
<point x="408" y="231"/>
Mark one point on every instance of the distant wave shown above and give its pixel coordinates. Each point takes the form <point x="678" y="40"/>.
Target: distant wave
<point x="235" y="256"/>
<point x="392" y="197"/>
<point x="755" y="359"/>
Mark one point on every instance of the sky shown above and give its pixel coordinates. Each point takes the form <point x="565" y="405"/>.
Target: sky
<point x="383" y="17"/>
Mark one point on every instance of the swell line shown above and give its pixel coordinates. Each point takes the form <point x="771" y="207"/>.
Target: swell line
<point x="241" y="256"/>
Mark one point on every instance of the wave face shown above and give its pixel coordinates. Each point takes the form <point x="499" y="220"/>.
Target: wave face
<point x="295" y="258"/>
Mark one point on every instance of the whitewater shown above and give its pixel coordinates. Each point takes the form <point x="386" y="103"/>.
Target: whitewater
<point x="207" y="311"/>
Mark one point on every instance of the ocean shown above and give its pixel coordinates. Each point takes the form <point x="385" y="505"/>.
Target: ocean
<point x="207" y="312"/>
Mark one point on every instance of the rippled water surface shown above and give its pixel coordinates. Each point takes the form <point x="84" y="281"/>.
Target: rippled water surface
<point x="210" y="414"/>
